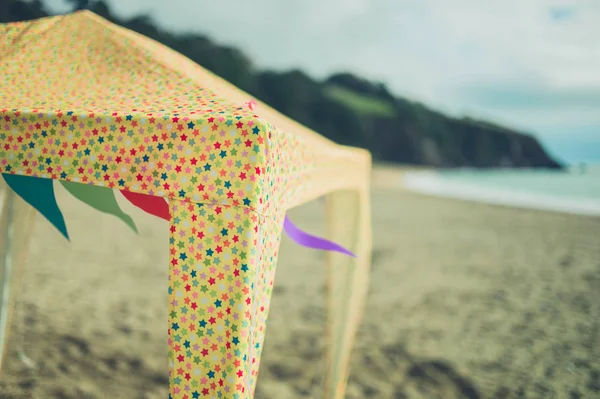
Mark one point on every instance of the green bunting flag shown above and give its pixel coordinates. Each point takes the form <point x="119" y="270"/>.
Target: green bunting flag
<point x="100" y="198"/>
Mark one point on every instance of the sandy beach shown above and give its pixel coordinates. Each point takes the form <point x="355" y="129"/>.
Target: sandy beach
<point x="466" y="301"/>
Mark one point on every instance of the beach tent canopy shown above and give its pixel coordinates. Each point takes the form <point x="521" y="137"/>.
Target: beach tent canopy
<point x="84" y="100"/>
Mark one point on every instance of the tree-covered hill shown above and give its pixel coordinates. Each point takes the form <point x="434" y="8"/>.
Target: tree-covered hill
<point x="345" y="108"/>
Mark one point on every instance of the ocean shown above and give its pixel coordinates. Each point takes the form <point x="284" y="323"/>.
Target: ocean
<point x="574" y="191"/>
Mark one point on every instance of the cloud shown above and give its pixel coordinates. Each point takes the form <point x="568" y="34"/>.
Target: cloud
<point x="513" y="96"/>
<point x="561" y="13"/>
<point x="526" y="62"/>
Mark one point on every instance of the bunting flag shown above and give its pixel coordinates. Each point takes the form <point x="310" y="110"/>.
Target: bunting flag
<point x="308" y="240"/>
<point x="156" y="206"/>
<point x="100" y="198"/>
<point x="301" y="237"/>
<point x="39" y="193"/>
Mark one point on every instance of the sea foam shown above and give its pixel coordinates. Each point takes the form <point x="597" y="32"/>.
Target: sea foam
<point x="432" y="183"/>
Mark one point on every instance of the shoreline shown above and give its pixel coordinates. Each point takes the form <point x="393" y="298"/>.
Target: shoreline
<point x="425" y="181"/>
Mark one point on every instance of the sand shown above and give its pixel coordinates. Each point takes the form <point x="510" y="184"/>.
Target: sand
<point x="466" y="301"/>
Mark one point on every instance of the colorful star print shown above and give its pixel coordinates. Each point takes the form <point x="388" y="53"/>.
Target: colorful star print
<point x="85" y="101"/>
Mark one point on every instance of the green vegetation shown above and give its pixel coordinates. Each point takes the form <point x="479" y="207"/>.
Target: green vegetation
<point x="362" y="104"/>
<point x="345" y="108"/>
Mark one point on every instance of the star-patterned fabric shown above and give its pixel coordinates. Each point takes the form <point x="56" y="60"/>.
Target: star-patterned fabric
<point x="86" y="101"/>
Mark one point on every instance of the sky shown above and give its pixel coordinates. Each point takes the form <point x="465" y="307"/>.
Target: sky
<point x="533" y="65"/>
